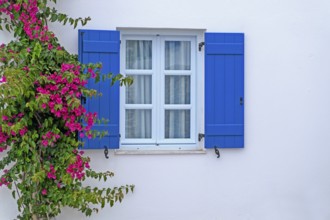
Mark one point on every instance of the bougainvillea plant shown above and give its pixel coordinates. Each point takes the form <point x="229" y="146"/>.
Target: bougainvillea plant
<point x="41" y="116"/>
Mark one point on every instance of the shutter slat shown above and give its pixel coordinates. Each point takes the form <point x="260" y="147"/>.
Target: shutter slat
<point x="224" y="88"/>
<point x="102" y="46"/>
<point x="214" y="130"/>
<point x="234" y="48"/>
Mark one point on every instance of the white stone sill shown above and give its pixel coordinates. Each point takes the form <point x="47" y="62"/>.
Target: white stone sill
<point x="158" y="152"/>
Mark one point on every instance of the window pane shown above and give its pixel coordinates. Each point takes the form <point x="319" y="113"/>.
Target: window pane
<point x="140" y="91"/>
<point x="139" y="54"/>
<point x="138" y="123"/>
<point x="177" y="89"/>
<point x="177" y="55"/>
<point x="177" y="123"/>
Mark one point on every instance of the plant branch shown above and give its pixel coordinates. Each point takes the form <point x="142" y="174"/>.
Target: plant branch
<point x="37" y="116"/>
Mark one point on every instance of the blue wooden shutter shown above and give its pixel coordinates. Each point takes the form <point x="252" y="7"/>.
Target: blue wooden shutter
<point x="224" y="90"/>
<point x="102" y="46"/>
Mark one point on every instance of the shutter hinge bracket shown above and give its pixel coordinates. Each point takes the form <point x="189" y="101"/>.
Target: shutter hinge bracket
<point x="200" y="136"/>
<point x="106" y="152"/>
<point x="216" y="151"/>
<point x="200" y="45"/>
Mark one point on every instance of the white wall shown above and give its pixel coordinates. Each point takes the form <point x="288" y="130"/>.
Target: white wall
<point x="284" y="170"/>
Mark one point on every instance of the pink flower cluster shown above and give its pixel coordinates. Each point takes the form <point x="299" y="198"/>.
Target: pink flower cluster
<point x="44" y="192"/>
<point x="51" y="174"/>
<point x="4" y="181"/>
<point x="76" y="170"/>
<point x="49" y="139"/>
<point x="60" y="90"/>
<point x="3" y="138"/>
<point x="5" y="118"/>
<point x="3" y="79"/>
<point x="32" y="25"/>
<point x="6" y="10"/>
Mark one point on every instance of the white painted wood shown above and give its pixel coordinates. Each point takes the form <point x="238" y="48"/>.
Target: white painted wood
<point x="158" y="72"/>
<point x="158" y="152"/>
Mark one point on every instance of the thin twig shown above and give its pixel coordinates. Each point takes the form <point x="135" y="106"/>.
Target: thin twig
<point x="19" y="195"/>
<point x="37" y="116"/>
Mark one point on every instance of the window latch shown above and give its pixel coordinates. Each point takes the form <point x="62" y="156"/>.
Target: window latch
<point x="200" y="45"/>
<point x="216" y="151"/>
<point x="241" y="101"/>
<point x="200" y="136"/>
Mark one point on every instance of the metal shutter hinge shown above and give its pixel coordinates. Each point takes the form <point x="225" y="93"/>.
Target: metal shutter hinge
<point x="200" y="136"/>
<point x="216" y="151"/>
<point x="106" y="152"/>
<point x="200" y="45"/>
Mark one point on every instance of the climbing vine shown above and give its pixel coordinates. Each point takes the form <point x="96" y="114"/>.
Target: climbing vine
<point x="42" y="118"/>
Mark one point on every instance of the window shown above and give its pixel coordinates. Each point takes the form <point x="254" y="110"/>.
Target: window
<point x="159" y="110"/>
<point x="180" y="92"/>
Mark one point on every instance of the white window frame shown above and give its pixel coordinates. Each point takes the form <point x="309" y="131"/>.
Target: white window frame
<point x="158" y="37"/>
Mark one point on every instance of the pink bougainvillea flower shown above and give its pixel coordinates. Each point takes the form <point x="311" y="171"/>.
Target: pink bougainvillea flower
<point x="17" y="7"/>
<point x="51" y="173"/>
<point x="4" y="118"/>
<point x="91" y="71"/>
<point x="25" y="68"/>
<point x="44" y="143"/>
<point x="44" y="192"/>
<point x="23" y="131"/>
<point x="3" y="79"/>
<point x="50" y="46"/>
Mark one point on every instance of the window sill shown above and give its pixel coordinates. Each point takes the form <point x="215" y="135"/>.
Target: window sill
<point x="158" y="152"/>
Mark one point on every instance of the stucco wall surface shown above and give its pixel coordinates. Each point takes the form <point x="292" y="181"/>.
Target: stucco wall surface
<point x="284" y="170"/>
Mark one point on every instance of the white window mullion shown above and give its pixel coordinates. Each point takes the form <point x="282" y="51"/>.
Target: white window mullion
<point x="162" y="89"/>
<point x="154" y="90"/>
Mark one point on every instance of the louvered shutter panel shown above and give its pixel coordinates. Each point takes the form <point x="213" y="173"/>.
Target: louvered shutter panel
<point x="102" y="46"/>
<point x="224" y="90"/>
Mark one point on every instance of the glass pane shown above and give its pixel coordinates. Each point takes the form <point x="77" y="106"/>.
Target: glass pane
<point x="177" y="55"/>
<point x="177" y="89"/>
<point x="138" y="123"/>
<point x="177" y="123"/>
<point x="139" y="54"/>
<point x="140" y="91"/>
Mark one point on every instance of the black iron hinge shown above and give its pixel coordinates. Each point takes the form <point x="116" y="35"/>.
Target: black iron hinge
<point x="200" y="45"/>
<point x="216" y="151"/>
<point x="200" y="136"/>
<point x="106" y="152"/>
